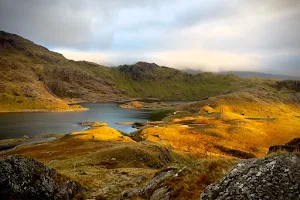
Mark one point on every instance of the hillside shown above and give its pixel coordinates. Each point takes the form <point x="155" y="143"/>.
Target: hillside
<point x="150" y="80"/>
<point x="34" y="78"/>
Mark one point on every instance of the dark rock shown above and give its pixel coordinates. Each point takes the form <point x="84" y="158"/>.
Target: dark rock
<point x="153" y="189"/>
<point x="26" y="178"/>
<point x="274" y="177"/>
<point x="163" y="193"/>
<point x="292" y="146"/>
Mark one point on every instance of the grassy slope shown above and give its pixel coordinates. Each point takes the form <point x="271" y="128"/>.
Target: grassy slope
<point x="150" y="80"/>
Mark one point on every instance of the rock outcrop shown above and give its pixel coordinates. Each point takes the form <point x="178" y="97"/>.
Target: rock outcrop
<point x="154" y="189"/>
<point x="26" y="178"/>
<point x="292" y="146"/>
<point x="288" y="84"/>
<point x="273" y="177"/>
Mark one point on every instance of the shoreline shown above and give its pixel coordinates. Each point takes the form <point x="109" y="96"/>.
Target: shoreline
<point x="43" y="110"/>
<point x="149" y="105"/>
<point x="10" y="143"/>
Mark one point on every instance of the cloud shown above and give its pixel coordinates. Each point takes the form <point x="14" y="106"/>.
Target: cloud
<point x="181" y="59"/>
<point x="70" y="23"/>
<point x="211" y="35"/>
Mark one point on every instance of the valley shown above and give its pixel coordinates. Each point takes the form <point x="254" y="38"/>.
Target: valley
<point x="189" y="129"/>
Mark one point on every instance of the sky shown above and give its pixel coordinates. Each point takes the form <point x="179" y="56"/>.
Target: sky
<point x="207" y="35"/>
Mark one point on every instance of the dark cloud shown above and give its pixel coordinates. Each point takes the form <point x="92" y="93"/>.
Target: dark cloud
<point x="66" y="24"/>
<point x="241" y="29"/>
<point x="284" y="63"/>
<point x="205" y="11"/>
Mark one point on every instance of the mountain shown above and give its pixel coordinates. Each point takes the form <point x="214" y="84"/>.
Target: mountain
<point x="249" y="74"/>
<point x="34" y="78"/>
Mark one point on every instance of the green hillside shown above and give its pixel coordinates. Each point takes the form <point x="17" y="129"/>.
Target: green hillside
<point x="150" y="80"/>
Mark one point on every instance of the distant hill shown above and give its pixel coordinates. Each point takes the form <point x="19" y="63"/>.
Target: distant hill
<point x="249" y="74"/>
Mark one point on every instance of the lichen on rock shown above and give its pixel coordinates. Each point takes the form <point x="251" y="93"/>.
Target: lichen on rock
<point x="26" y="178"/>
<point x="272" y="177"/>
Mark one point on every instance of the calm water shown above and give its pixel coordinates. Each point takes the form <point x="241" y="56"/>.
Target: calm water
<point x="16" y="125"/>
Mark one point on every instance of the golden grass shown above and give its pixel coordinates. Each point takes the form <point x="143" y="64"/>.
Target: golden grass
<point x="103" y="133"/>
<point x="239" y="122"/>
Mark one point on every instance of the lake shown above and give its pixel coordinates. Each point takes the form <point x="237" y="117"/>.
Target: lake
<point x="16" y="125"/>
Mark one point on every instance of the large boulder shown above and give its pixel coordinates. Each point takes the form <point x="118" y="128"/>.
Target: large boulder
<point x="273" y="177"/>
<point x="27" y="178"/>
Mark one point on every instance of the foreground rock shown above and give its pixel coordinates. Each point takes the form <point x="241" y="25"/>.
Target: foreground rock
<point x="27" y="178"/>
<point x="292" y="146"/>
<point x="275" y="177"/>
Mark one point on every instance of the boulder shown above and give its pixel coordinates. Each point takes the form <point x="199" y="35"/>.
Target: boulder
<point x="272" y="177"/>
<point x="154" y="189"/>
<point x="27" y="178"/>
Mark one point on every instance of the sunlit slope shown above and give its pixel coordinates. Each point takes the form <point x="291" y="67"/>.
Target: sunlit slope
<point x="242" y="124"/>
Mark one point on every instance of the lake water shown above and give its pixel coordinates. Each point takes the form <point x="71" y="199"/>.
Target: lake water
<point x="16" y="125"/>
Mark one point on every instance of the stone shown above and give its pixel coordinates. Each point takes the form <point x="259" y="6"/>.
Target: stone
<point x="27" y="178"/>
<point x="272" y="177"/>
<point x="154" y="188"/>
<point x="162" y="193"/>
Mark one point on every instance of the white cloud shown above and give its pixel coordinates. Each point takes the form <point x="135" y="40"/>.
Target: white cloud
<point x="194" y="59"/>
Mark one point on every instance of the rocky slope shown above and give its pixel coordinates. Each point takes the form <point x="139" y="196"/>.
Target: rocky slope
<point x="32" y="77"/>
<point x="275" y="177"/>
<point x="27" y="178"/>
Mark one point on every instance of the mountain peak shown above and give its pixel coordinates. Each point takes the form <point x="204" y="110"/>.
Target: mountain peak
<point x="145" y="64"/>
